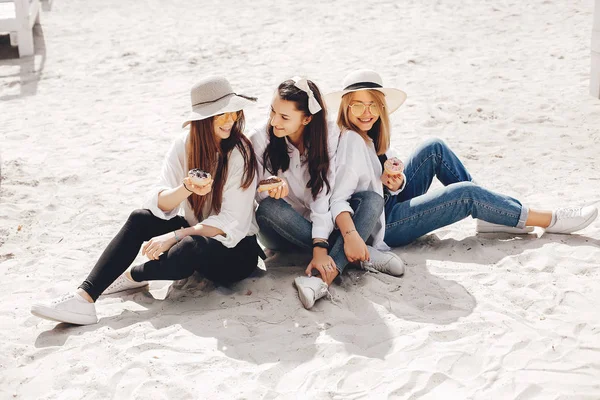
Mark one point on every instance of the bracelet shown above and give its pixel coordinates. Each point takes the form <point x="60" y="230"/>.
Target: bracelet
<point x="348" y="232"/>
<point x="191" y="191"/>
<point x="176" y="237"/>
<point x="323" y="244"/>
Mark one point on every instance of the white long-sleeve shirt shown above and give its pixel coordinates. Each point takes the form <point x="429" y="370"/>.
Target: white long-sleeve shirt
<point x="297" y="176"/>
<point x="357" y="169"/>
<point x="236" y="218"/>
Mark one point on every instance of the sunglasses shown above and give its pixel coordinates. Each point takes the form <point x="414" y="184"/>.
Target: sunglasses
<point x="358" y="109"/>
<point x="223" y="118"/>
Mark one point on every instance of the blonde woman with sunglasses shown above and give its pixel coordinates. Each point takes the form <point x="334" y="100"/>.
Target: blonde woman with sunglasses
<point x="206" y="227"/>
<point x="411" y="209"/>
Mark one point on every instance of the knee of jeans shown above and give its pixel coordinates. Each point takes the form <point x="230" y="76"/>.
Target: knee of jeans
<point x="139" y="216"/>
<point x="434" y="145"/>
<point x="373" y="199"/>
<point x="269" y="208"/>
<point x="468" y="189"/>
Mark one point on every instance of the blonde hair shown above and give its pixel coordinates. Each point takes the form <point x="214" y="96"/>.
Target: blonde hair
<point x="380" y="132"/>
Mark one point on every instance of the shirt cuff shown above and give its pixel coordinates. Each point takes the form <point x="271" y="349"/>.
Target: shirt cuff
<point x="152" y="204"/>
<point x="340" y="207"/>
<point x="231" y="238"/>
<point x="322" y="232"/>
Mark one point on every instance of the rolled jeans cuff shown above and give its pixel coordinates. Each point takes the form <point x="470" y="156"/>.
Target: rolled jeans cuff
<point x="523" y="217"/>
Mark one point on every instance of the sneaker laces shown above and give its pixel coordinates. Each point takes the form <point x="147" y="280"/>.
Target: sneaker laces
<point x="328" y="294"/>
<point x="330" y="297"/>
<point x="567" y="212"/>
<point x="116" y="284"/>
<point x="62" y="298"/>
<point x="368" y="266"/>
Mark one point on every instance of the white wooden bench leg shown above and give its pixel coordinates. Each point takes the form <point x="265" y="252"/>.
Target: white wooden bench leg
<point x="24" y="31"/>
<point x="25" y="39"/>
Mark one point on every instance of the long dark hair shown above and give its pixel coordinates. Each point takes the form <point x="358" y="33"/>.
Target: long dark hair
<point x="204" y="153"/>
<point x="315" y="136"/>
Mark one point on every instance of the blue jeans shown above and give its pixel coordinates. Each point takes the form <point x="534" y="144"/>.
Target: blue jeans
<point x="414" y="212"/>
<point x="282" y="228"/>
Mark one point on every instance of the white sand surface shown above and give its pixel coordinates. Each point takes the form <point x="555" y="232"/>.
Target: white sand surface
<point x="84" y="126"/>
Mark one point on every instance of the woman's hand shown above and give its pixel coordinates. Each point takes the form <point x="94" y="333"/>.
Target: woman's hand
<point x="199" y="190"/>
<point x="323" y="263"/>
<point x="280" y="191"/>
<point x="355" y="248"/>
<point x="158" y="245"/>
<point x="392" y="182"/>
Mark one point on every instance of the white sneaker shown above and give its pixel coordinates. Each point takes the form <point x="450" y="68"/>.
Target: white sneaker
<point x="571" y="219"/>
<point x="487" y="227"/>
<point x="123" y="283"/>
<point x="70" y="308"/>
<point x="383" y="261"/>
<point x="310" y="289"/>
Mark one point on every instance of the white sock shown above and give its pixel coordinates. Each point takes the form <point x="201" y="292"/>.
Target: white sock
<point x="128" y="278"/>
<point x="553" y="221"/>
<point x="79" y="297"/>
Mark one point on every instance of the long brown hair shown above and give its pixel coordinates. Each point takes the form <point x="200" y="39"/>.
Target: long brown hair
<point x="204" y="153"/>
<point x="380" y="132"/>
<point x="315" y="138"/>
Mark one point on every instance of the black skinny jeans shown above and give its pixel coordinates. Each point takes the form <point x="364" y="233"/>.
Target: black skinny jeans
<point x="209" y="257"/>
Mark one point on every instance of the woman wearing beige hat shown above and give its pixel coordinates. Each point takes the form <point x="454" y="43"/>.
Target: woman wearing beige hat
<point x="204" y="225"/>
<point x="411" y="209"/>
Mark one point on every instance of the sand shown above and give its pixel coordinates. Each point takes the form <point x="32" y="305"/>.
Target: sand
<point x="84" y="126"/>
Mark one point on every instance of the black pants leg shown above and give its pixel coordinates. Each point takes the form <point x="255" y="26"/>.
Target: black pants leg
<point x="141" y="226"/>
<point x="209" y="257"/>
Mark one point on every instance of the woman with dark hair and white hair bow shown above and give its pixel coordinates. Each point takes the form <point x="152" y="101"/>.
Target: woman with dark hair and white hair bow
<point x="204" y="225"/>
<point x="297" y="146"/>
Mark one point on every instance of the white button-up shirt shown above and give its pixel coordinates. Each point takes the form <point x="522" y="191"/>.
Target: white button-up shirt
<point x="297" y="176"/>
<point x="357" y="169"/>
<point x="236" y="218"/>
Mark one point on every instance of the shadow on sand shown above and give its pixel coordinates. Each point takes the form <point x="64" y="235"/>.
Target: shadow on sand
<point x="269" y="325"/>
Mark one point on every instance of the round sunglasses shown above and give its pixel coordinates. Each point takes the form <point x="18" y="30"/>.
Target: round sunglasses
<point x="357" y="109"/>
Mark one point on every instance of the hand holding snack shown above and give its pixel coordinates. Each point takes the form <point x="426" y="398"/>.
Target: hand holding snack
<point x="393" y="166"/>
<point x="276" y="187"/>
<point x="392" y="176"/>
<point x="199" y="178"/>
<point x="198" y="181"/>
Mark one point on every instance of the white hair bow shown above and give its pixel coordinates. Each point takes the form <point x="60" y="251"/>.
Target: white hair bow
<point x="302" y="84"/>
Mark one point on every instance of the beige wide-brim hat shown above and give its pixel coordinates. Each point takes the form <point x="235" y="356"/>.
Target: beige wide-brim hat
<point x="212" y="96"/>
<point x="365" y="79"/>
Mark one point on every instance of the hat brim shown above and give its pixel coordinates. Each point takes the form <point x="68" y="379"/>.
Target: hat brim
<point x="228" y="104"/>
<point x="394" y="98"/>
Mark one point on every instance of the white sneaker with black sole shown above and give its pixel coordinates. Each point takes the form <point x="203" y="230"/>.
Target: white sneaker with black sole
<point x="571" y="219"/>
<point x="122" y="284"/>
<point x="70" y="308"/>
<point x="310" y="289"/>
<point x="383" y="261"/>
